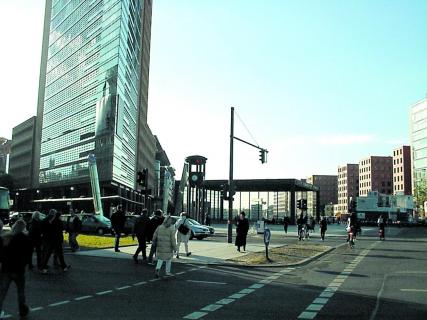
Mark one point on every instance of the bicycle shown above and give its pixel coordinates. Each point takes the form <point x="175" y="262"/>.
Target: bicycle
<point x="351" y="238"/>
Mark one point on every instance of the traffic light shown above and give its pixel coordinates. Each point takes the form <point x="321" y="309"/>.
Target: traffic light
<point x="263" y="156"/>
<point x="195" y="178"/>
<point x="142" y="178"/>
<point x="304" y="204"/>
<point x="299" y="202"/>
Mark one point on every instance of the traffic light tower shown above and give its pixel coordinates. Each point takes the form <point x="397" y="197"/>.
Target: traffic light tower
<point x="195" y="190"/>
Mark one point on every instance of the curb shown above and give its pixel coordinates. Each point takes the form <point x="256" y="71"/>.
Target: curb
<point x="273" y="265"/>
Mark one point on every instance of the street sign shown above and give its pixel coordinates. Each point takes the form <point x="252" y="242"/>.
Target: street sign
<point x="267" y="236"/>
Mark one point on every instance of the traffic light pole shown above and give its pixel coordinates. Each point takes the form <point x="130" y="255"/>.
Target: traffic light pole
<point x="231" y="189"/>
<point x="230" y="181"/>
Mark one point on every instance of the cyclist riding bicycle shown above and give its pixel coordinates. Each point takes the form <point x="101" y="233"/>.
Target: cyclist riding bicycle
<point x="301" y="226"/>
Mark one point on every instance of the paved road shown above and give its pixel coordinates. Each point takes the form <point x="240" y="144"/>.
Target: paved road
<point x="376" y="280"/>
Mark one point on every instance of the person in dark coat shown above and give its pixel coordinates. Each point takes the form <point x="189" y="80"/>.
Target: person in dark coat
<point x="74" y="226"/>
<point x="15" y="255"/>
<point x="35" y="232"/>
<point x="154" y="223"/>
<point x="118" y="220"/>
<point x="53" y="239"/>
<point x="286" y="222"/>
<point x="242" y="229"/>
<point x="140" y="229"/>
<point x="323" y="227"/>
<point x="208" y="219"/>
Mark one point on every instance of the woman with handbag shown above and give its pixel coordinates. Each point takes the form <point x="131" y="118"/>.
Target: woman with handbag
<point x="183" y="233"/>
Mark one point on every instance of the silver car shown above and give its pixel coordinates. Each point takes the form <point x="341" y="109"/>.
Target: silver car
<point x="198" y="231"/>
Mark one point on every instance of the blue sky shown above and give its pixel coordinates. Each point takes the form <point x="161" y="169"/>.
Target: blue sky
<point x="318" y="83"/>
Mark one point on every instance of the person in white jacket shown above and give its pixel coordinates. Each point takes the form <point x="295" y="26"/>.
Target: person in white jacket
<point x="183" y="233"/>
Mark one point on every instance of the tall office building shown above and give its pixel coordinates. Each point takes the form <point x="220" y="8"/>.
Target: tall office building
<point x="376" y="174"/>
<point x="402" y="173"/>
<point x="348" y="185"/>
<point x="93" y="94"/>
<point x="5" y="145"/>
<point x="328" y="192"/>
<point x="22" y="153"/>
<point x="418" y="134"/>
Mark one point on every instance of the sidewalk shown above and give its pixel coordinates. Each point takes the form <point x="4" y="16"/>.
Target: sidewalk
<point x="202" y="252"/>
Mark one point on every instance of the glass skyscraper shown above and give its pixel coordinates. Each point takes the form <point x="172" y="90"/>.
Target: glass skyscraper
<point x="93" y="89"/>
<point x="418" y="135"/>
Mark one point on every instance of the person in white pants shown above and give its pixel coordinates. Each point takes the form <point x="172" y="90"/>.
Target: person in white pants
<point x="164" y="237"/>
<point x="183" y="233"/>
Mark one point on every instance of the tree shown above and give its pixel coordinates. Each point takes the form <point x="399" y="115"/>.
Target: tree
<point x="420" y="194"/>
<point x="7" y="181"/>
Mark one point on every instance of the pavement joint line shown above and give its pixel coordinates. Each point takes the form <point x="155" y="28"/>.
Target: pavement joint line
<point x="60" y="303"/>
<point x="182" y="272"/>
<point x="207" y="282"/>
<point x="104" y="292"/>
<point x="152" y="280"/>
<point x="83" y="298"/>
<point x="333" y="286"/>
<point x="123" y="288"/>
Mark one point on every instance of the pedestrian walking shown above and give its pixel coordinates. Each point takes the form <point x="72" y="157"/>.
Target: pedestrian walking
<point x="208" y="219"/>
<point x="323" y="227"/>
<point x="118" y="220"/>
<point x="154" y="223"/>
<point x="286" y="222"/>
<point x="35" y="233"/>
<point x="15" y="255"/>
<point x="165" y="240"/>
<point x="242" y="229"/>
<point x="74" y="226"/>
<point x="140" y="229"/>
<point x="183" y="233"/>
<point x="53" y="240"/>
<point x="381" y="226"/>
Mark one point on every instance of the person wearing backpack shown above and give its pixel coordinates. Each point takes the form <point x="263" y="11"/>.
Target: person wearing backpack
<point x="183" y="233"/>
<point x="74" y="226"/>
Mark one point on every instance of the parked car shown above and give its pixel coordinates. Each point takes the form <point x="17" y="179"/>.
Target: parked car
<point x="26" y="216"/>
<point x="91" y="223"/>
<point x="198" y="231"/>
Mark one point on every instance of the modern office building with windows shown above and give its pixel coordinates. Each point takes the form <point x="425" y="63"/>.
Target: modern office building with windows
<point x="418" y="136"/>
<point x="348" y="186"/>
<point x="93" y="94"/>
<point x="402" y="175"/>
<point x="376" y="174"/>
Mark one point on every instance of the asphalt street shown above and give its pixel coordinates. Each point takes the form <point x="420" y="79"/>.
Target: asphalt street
<point x="375" y="280"/>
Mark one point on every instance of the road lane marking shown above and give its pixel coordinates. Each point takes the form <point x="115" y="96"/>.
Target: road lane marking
<point x="318" y="303"/>
<point x="413" y="290"/>
<point x="207" y="282"/>
<point x="60" y="303"/>
<point x="182" y="272"/>
<point x="195" y="315"/>
<point x="225" y="301"/>
<point x="83" y="298"/>
<point x="36" y="309"/>
<point x="236" y="296"/>
<point x="212" y="307"/>
<point x="141" y="283"/>
<point x="123" y="288"/>
<point x="104" y="292"/>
